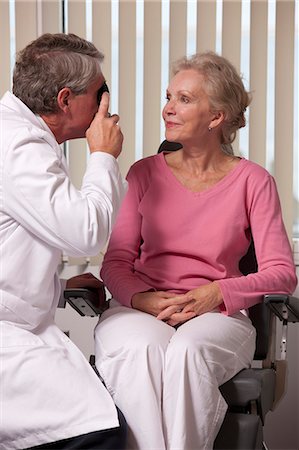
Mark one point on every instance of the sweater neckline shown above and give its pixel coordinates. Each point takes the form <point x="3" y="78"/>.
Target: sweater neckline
<point x="220" y="185"/>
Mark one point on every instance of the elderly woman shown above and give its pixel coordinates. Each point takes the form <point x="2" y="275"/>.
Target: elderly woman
<point x="177" y="328"/>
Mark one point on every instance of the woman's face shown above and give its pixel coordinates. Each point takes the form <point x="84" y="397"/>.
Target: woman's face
<point x="187" y="114"/>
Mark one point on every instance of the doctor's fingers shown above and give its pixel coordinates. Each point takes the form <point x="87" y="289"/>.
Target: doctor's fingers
<point x="104" y="135"/>
<point x="114" y="118"/>
<point x="103" y="110"/>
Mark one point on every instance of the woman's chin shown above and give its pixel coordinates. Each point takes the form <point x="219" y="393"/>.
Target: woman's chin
<point x="171" y="136"/>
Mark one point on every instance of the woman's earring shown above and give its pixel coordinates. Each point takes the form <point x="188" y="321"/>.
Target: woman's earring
<point x="210" y="129"/>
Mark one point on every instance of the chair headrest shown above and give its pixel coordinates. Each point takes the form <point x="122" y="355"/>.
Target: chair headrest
<point x="167" y="146"/>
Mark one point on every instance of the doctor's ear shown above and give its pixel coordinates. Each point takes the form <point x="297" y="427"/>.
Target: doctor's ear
<point x="63" y="98"/>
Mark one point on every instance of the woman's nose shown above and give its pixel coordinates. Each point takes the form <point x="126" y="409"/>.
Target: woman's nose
<point x="169" y="107"/>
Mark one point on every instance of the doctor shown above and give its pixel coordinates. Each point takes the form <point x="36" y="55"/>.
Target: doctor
<point x="50" y="397"/>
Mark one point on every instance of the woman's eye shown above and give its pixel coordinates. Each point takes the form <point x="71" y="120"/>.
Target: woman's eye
<point x="185" y="99"/>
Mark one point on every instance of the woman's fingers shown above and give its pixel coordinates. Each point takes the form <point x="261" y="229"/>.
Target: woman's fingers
<point x="180" y="318"/>
<point x="169" y="311"/>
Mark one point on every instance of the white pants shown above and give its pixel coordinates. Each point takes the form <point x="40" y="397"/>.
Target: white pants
<point x="165" y="381"/>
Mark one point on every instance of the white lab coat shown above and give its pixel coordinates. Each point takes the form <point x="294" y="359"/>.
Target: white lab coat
<point x="48" y="391"/>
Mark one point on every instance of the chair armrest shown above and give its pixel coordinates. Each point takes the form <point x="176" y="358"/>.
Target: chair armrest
<point x="285" y="307"/>
<point x="87" y="302"/>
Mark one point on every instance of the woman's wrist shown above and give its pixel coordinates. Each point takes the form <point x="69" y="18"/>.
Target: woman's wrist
<point x="140" y="300"/>
<point x="217" y="293"/>
<point x="135" y="300"/>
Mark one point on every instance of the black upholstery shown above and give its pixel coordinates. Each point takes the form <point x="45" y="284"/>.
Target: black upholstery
<point x="167" y="146"/>
<point x="260" y="316"/>
<point x="243" y="430"/>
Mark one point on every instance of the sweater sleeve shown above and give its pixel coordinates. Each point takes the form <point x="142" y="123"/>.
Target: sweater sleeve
<point x="117" y="270"/>
<point x="276" y="270"/>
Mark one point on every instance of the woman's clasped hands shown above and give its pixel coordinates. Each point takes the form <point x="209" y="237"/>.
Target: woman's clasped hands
<point x="176" y="309"/>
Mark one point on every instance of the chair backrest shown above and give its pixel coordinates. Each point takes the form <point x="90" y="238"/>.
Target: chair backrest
<point x="167" y="146"/>
<point x="259" y="314"/>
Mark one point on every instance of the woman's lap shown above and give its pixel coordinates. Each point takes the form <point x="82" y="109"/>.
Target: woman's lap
<point x="146" y="363"/>
<point x="121" y="326"/>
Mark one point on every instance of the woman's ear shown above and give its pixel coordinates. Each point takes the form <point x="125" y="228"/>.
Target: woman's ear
<point x="63" y="98"/>
<point x="217" y="118"/>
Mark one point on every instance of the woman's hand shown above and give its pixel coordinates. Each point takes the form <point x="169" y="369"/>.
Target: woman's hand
<point x="156" y="302"/>
<point x="204" y="299"/>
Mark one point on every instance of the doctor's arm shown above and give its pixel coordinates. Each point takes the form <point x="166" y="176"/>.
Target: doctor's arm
<point x="41" y="197"/>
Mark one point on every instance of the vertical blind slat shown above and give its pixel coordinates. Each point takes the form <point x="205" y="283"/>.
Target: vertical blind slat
<point x="5" y="78"/>
<point x="101" y="33"/>
<point x="77" y="147"/>
<point x="101" y="37"/>
<point x="284" y="106"/>
<point x="258" y="82"/>
<point x="26" y="30"/>
<point x="51" y="16"/>
<point x="206" y="35"/>
<point x="77" y="155"/>
<point x="231" y="32"/>
<point x="127" y="80"/>
<point x="152" y="77"/>
<point x="231" y="39"/>
<point x="177" y="30"/>
<point x="77" y="17"/>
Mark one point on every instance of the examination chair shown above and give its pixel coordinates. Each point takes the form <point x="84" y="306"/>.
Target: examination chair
<point x="252" y="392"/>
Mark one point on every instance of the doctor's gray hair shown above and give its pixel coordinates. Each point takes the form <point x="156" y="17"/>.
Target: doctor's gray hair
<point x="225" y="89"/>
<point x="50" y="63"/>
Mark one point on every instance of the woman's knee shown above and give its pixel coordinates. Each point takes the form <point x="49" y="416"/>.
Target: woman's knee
<point x="132" y="331"/>
<point x="139" y="353"/>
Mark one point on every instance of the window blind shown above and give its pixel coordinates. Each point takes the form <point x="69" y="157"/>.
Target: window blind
<point x="140" y="39"/>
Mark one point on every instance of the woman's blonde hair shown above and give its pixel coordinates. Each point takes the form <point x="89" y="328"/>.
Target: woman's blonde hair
<point x="224" y="87"/>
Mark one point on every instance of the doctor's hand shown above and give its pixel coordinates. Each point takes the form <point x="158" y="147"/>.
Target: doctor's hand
<point x="204" y="299"/>
<point x="156" y="302"/>
<point x="104" y="134"/>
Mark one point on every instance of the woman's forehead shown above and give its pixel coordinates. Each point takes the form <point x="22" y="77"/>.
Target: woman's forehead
<point x="187" y="80"/>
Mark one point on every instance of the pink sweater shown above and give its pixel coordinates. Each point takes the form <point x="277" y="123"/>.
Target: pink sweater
<point x="169" y="238"/>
